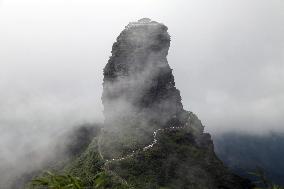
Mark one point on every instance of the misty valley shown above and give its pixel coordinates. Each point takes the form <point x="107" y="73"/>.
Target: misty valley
<point x="190" y="98"/>
<point x="148" y="140"/>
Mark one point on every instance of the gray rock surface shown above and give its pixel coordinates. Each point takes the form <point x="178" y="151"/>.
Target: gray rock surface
<point x="139" y="96"/>
<point x="138" y="80"/>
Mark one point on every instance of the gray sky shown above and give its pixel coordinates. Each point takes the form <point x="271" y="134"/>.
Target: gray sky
<point x="227" y="56"/>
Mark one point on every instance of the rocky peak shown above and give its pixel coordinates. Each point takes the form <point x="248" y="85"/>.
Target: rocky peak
<point x="148" y="139"/>
<point x="138" y="80"/>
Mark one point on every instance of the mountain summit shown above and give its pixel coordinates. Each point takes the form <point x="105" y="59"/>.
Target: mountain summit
<point x="142" y="106"/>
<point x="148" y="140"/>
<point x="138" y="80"/>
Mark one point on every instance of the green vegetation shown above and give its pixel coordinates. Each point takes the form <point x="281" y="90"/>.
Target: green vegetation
<point x="56" y="181"/>
<point x="263" y="181"/>
<point x="86" y="166"/>
<point x="179" y="159"/>
<point x="60" y="181"/>
<point x="165" y="164"/>
<point x="85" y="171"/>
<point x="124" y="142"/>
<point x="106" y="181"/>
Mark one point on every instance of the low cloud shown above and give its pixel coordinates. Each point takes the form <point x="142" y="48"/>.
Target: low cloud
<point x="227" y="59"/>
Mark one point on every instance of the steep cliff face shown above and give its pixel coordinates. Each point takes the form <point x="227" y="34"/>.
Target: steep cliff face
<point x="137" y="79"/>
<point x="140" y="100"/>
<point x="148" y="141"/>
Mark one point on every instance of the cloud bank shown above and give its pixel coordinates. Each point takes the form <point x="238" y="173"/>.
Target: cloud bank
<point x="227" y="58"/>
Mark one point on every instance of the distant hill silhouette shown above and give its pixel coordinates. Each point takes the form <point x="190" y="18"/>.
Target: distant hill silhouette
<point x="244" y="152"/>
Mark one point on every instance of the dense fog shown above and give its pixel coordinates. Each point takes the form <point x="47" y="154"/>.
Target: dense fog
<point x="227" y="59"/>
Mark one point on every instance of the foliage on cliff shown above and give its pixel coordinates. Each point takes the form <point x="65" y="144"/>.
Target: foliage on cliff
<point x="148" y="141"/>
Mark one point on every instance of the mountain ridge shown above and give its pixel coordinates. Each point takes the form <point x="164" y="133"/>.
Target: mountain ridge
<point x="148" y="140"/>
<point x="140" y="98"/>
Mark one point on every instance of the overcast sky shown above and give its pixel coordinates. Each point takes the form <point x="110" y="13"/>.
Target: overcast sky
<point x="227" y="56"/>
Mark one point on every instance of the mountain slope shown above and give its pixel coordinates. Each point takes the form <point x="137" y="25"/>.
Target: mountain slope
<point x="148" y="139"/>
